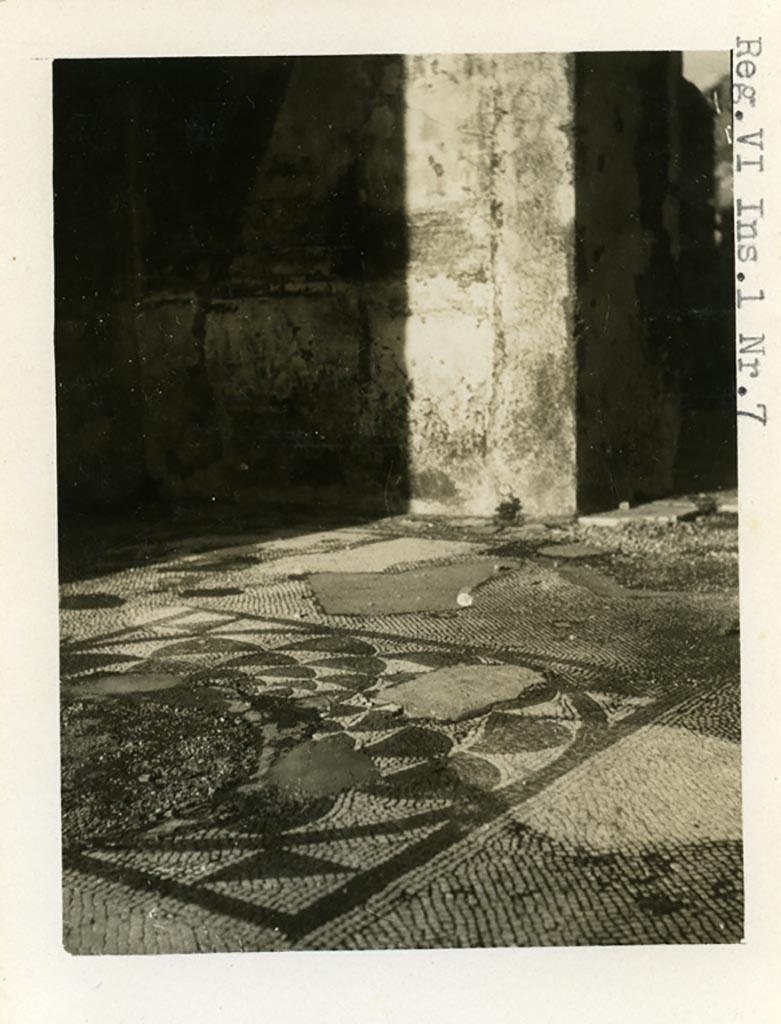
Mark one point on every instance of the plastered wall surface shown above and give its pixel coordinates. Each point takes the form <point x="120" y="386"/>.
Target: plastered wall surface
<point x="491" y="207"/>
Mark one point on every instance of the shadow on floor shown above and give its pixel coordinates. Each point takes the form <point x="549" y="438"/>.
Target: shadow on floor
<point x="92" y="544"/>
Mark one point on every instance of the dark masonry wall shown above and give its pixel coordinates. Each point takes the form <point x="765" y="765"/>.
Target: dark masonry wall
<point x="627" y="242"/>
<point x="230" y="255"/>
<point x="655" y="282"/>
<point x="707" y="448"/>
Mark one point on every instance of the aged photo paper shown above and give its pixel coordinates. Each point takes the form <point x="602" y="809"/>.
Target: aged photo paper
<point x="389" y="511"/>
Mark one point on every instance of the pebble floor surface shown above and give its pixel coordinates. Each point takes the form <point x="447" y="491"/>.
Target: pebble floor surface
<point x="238" y="776"/>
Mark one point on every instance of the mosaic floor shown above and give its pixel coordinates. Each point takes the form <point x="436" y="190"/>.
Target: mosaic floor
<point x="290" y="802"/>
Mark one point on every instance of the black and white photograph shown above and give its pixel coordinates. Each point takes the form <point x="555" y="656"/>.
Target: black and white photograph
<point x="388" y="512"/>
<point x="397" y="504"/>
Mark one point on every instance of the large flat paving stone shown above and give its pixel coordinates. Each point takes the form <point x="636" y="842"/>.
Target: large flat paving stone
<point x="571" y="551"/>
<point x="417" y="590"/>
<point x="672" y="510"/>
<point x="460" y="691"/>
<point x="368" y="558"/>
<point x="727" y="501"/>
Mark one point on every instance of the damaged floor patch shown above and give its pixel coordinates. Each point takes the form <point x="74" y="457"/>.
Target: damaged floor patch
<point x="418" y="590"/>
<point x="322" y="767"/>
<point x="83" y="602"/>
<point x="128" y="683"/>
<point x="460" y="691"/>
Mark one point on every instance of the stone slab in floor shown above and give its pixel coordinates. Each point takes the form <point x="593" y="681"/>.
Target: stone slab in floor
<point x="570" y="551"/>
<point x="434" y="589"/>
<point x="460" y="691"/>
<point x="368" y="558"/>
<point x="727" y="501"/>
<point x="603" y="586"/>
<point x="672" y="510"/>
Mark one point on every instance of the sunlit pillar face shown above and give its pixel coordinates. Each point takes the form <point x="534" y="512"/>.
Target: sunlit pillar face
<point x="490" y="206"/>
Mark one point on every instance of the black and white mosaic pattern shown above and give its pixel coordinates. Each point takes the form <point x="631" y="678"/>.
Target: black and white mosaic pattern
<point x="599" y="806"/>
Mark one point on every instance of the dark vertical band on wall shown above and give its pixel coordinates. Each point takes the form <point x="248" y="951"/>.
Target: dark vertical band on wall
<point x="625" y="278"/>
